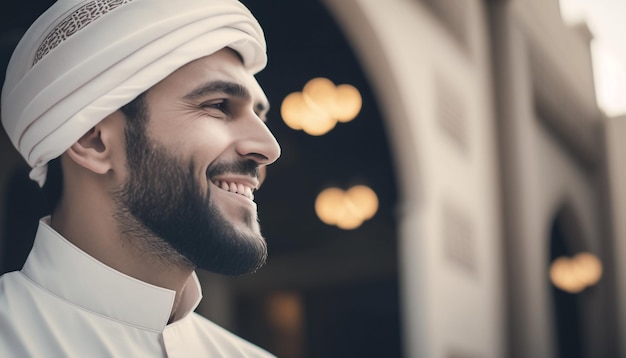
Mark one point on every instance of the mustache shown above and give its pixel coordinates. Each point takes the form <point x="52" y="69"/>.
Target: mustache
<point x="244" y="167"/>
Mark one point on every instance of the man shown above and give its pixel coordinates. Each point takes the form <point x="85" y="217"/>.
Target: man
<point x="143" y="122"/>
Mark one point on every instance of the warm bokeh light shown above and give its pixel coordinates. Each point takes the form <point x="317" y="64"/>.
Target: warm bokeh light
<point x="347" y="104"/>
<point x="317" y="109"/>
<point x="317" y="123"/>
<point x="285" y="312"/>
<point x="364" y="201"/>
<point x="346" y="209"/>
<point x="349" y="220"/>
<point x="320" y="92"/>
<point x="284" y="309"/>
<point x="575" y="274"/>
<point x="589" y="268"/>
<point x="293" y="110"/>
<point x="329" y="205"/>
<point x="563" y="275"/>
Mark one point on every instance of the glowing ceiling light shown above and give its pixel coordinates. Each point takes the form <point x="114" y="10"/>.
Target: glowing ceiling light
<point x="293" y="109"/>
<point x="589" y="268"/>
<point x="329" y="205"/>
<point x="364" y="200"/>
<point x="317" y="109"/>
<point x="320" y="92"/>
<point x="317" y="122"/>
<point x="575" y="274"/>
<point x="349" y="220"/>
<point x="346" y="209"/>
<point x="300" y="114"/>
<point x="348" y="103"/>
<point x="563" y="276"/>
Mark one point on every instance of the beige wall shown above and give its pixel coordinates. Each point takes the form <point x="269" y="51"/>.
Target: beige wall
<point x="548" y="141"/>
<point x="551" y="145"/>
<point x="449" y="223"/>
<point x="616" y="154"/>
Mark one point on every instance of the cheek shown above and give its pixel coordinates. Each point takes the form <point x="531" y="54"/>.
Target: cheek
<point x="195" y="139"/>
<point x="202" y="148"/>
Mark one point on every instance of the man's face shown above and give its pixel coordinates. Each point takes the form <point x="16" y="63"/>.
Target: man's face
<point x="193" y="165"/>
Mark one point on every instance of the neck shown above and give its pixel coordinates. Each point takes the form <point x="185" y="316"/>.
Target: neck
<point x="122" y="243"/>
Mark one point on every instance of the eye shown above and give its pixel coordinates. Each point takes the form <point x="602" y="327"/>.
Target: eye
<point x="221" y="105"/>
<point x="216" y="108"/>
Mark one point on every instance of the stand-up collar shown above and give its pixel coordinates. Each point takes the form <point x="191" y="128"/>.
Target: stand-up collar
<point x="61" y="268"/>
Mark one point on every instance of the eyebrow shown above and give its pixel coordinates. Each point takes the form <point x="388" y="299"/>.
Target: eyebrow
<point x="229" y="88"/>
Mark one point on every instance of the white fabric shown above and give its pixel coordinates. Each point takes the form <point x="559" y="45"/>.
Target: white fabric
<point x="64" y="303"/>
<point x="97" y="68"/>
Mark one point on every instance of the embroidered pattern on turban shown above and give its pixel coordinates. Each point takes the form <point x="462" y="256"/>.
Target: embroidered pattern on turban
<point x="83" y="60"/>
<point x="74" y="22"/>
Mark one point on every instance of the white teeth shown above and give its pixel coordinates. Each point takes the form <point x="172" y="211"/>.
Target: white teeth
<point x="249" y="193"/>
<point x="237" y="188"/>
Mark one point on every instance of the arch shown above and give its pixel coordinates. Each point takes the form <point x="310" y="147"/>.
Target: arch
<point x="358" y="27"/>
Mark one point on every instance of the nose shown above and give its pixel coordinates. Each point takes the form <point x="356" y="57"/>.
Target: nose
<point x="257" y="142"/>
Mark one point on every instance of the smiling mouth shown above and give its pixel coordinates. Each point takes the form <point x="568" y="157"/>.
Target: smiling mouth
<point x="243" y="189"/>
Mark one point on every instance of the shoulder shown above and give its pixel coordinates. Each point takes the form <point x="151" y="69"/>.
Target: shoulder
<point x="14" y="298"/>
<point x="228" y="342"/>
<point x="14" y="291"/>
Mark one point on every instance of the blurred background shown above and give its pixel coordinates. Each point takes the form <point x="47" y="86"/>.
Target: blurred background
<point x="451" y="182"/>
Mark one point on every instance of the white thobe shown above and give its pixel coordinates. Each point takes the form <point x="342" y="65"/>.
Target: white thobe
<point x="65" y="303"/>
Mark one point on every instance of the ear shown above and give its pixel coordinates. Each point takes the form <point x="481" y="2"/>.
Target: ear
<point x="93" y="150"/>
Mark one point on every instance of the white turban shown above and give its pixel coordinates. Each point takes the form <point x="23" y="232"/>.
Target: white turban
<point x="84" y="59"/>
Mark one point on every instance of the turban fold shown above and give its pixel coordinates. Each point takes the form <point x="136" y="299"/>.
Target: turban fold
<point x="83" y="60"/>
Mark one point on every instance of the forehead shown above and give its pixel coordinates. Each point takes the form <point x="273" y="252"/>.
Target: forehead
<point x="225" y="66"/>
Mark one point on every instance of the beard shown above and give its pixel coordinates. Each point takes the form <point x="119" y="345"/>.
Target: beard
<point x="162" y="210"/>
